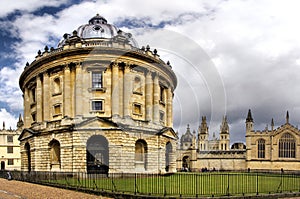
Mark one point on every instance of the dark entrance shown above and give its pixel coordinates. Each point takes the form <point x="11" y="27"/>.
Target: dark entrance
<point x="185" y="163"/>
<point x="97" y="154"/>
<point x="28" y="155"/>
<point x="2" y="165"/>
<point x="168" y="155"/>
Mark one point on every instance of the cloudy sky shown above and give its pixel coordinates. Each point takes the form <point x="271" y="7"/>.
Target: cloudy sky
<point x="229" y="56"/>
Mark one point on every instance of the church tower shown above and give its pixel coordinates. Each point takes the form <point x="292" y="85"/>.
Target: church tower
<point x="224" y="135"/>
<point x="203" y="135"/>
<point x="249" y="122"/>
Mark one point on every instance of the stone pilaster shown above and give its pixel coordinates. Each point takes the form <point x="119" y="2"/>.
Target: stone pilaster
<point x="169" y="108"/>
<point x="27" y="121"/>
<point x="46" y="96"/>
<point x="127" y="90"/>
<point x="67" y="92"/>
<point x="115" y="89"/>
<point x="78" y="90"/>
<point x="39" y="99"/>
<point x="121" y="93"/>
<point x="149" y="98"/>
<point x="156" y="99"/>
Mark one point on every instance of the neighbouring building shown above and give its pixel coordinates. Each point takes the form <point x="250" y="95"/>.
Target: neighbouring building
<point x="98" y="103"/>
<point x="10" y="158"/>
<point x="275" y="149"/>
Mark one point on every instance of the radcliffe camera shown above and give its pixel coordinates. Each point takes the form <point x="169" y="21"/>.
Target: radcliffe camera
<point x="116" y="102"/>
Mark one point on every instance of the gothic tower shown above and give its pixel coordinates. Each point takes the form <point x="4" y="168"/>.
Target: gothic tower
<point x="249" y="128"/>
<point x="249" y="122"/>
<point x="203" y="135"/>
<point x="224" y="135"/>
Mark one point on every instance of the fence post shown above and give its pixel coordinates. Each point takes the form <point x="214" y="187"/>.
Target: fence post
<point x="165" y="186"/>
<point x="228" y="184"/>
<point x="256" y="183"/>
<point x="135" y="187"/>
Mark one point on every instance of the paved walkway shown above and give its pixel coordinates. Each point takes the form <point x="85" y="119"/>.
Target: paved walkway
<point x="17" y="189"/>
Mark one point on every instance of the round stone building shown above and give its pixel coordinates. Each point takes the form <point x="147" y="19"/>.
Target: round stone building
<point x="98" y="103"/>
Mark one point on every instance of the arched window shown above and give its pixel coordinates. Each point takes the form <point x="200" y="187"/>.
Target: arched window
<point x="261" y="148"/>
<point x="54" y="154"/>
<point x="97" y="154"/>
<point x="287" y="146"/>
<point x="141" y="151"/>
<point x="186" y="163"/>
<point x="56" y="86"/>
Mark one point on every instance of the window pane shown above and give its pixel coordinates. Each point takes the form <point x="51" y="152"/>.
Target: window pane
<point x="97" y="79"/>
<point x="10" y="149"/>
<point x="287" y="146"/>
<point x="97" y="105"/>
<point x="10" y="139"/>
<point x="10" y="162"/>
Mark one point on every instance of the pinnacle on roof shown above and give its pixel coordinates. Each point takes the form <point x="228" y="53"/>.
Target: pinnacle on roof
<point x="249" y="116"/>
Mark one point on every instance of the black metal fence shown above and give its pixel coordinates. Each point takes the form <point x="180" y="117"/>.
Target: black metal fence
<point x="211" y="184"/>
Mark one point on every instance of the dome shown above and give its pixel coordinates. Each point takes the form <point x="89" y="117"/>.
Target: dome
<point x="98" y="27"/>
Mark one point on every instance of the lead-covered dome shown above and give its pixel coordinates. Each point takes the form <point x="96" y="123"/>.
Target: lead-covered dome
<point x="98" y="28"/>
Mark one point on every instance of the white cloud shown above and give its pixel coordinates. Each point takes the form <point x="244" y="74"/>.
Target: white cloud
<point x="7" y="7"/>
<point x="252" y="46"/>
<point x="9" y="119"/>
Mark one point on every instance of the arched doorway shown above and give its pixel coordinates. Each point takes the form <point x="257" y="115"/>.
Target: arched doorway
<point x="141" y="150"/>
<point x="2" y="165"/>
<point x="168" y="155"/>
<point x="97" y="154"/>
<point x="54" y="154"/>
<point x="185" y="163"/>
<point x="28" y="156"/>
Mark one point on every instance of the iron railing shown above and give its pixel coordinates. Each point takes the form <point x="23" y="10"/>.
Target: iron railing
<point x="210" y="184"/>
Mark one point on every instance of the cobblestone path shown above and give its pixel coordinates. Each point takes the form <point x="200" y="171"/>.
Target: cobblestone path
<point x="16" y="189"/>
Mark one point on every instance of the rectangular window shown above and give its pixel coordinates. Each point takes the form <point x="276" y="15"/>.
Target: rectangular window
<point x="97" y="105"/>
<point x="10" y="149"/>
<point x="33" y="115"/>
<point x="10" y="139"/>
<point x="57" y="109"/>
<point x="33" y="95"/>
<point x="137" y="109"/>
<point x="96" y="80"/>
<point x="162" y="117"/>
<point x="10" y="162"/>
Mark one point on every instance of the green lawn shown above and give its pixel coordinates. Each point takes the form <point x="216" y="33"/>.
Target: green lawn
<point x="187" y="184"/>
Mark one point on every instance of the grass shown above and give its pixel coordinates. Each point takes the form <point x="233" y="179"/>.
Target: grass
<point x="186" y="184"/>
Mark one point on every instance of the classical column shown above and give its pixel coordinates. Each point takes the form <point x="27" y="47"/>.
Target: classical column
<point x="149" y="97"/>
<point x="156" y="99"/>
<point x="27" y="118"/>
<point x="67" y="92"/>
<point x="121" y="93"/>
<point x="169" y="108"/>
<point x="39" y="99"/>
<point x="78" y="91"/>
<point x="115" y="89"/>
<point x="127" y="91"/>
<point x="46" y="96"/>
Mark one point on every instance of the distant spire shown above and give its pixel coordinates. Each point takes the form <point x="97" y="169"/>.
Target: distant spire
<point x="3" y="125"/>
<point x="224" y="126"/>
<point x="203" y="129"/>
<point x="249" y="116"/>
<point x="272" y="124"/>
<point x="287" y="117"/>
<point x="20" y="123"/>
